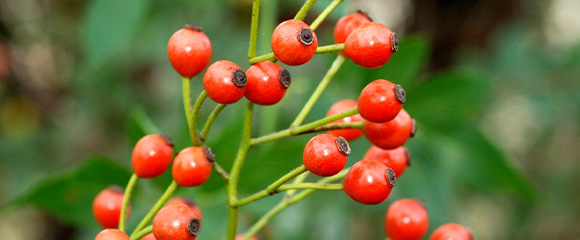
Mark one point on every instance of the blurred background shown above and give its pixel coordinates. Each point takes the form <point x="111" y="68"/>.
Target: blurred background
<point x="493" y="85"/>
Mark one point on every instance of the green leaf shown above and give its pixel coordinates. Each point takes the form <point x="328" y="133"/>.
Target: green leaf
<point x="447" y="100"/>
<point x="485" y="166"/>
<point x="109" y="26"/>
<point x="69" y="196"/>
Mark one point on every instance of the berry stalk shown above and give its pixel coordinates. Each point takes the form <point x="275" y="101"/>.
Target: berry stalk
<point x="216" y="111"/>
<point x="304" y="10"/>
<point x="142" y="233"/>
<point x="254" y="29"/>
<point x="162" y="200"/>
<point x="330" y="48"/>
<point x="324" y="14"/>
<point x="126" y="199"/>
<point x="321" y="86"/>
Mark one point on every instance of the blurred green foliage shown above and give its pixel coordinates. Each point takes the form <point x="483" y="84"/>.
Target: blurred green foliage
<point x="121" y="87"/>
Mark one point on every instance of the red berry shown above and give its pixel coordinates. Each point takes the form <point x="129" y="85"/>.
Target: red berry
<point x="325" y="154"/>
<point x="406" y="219"/>
<point x="176" y="222"/>
<point x="380" y="101"/>
<point x="189" y="203"/>
<point x="391" y="134"/>
<point x="267" y="83"/>
<point x="192" y="166"/>
<point x="369" y="182"/>
<point x="241" y="236"/>
<point x="349" y="23"/>
<point x="293" y="42"/>
<point x="107" y="207"/>
<point x="398" y="159"/>
<point x="111" y="234"/>
<point x="224" y="82"/>
<point x="151" y="156"/>
<point x="451" y="231"/>
<point x="341" y="106"/>
<point x="371" y="45"/>
<point x="149" y="236"/>
<point x="189" y="51"/>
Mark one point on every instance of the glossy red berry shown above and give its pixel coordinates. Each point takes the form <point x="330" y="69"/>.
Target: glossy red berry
<point x="152" y="155"/>
<point x="380" y="101"/>
<point x="451" y="231"/>
<point x="189" y="203"/>
<point x="224" y="82"/>
<point x="267" y="83"/>
<point x="369" y="182"/>
<point x="176" y="222"/>
<point x="341" y="106"/>
<point x="111" y="234"/>
<point x="189" y="51"/>
<point x="192" y="166"/>
<point x="349" y="23"/>
<point x="406" y="219"/>
<point x="293" y="42"/>
<point x="107" y="207"/>
<point x="325" y="154"/>
<point x="391" y="134"/>
<point x="241" y="236"/>
<point x="398" y="159"/>
<point x="149" y="236"/>
<point x="371" y="45"/>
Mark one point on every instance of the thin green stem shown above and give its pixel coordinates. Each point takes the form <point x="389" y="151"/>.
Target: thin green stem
<point x="286" y="202"/>
<point x="262" y="58"/>
<point x="298" y="179"/>
<point x="186" y="82"/>
<point x="142" y="233"/>
<point x="302" y="129"/>
<point x="254" y="29"/>
<point x="216" y="111"/>
<point x="330" y="48"/>
<point x="284" y="179"/>
<point x="232" y="186"/>
<point x="324" y="14"/>
<point x="193" y="122"/>
<point x="126" y="199"/>
<point x="304" y="10"/>
<point x="334" y="126"/>
<point x="321" y="86"/>
<point x="162" y="200"/>
<point x="317" y="186"/>
<point x="220" y="171"/>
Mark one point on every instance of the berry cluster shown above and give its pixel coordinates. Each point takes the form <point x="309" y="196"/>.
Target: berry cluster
<point x="378" y="114"/>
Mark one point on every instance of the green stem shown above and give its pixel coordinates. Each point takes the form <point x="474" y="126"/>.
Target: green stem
<point x="162" y="200"/>
<point x="317" y="186"/>
<point x="142" y="233"/>
<point x="334" y="126"/>
<point x="254" y="29"/>
<point x="262" y="58"/>
<point x="220" y="171"/>
<point x="330" y="48"/>
<point x="216" y="111"/>
<point x="232" y="186"/>
<point x="193" y="123"/>
<point x="324" y="14"/>
<point x="186" y="82"/>
<point x="284" y="179"/>
<point x="126" y="198"/>
<point x="321" y="86"/>
<point x="298" y="179"/>
<point x="304" y="10"/>
<point x="286" y="202"/>
<point x="302" y="129"/>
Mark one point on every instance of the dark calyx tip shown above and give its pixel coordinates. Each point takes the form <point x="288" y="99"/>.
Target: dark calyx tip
<point x="343" y="146"/>
<point x="306" y="36"/>
<point x="285" y="79"/>
<point x="239" y="78"/>
<point x="400" y="94"/>
<point x="167" y="140"/>
<point x="208" y="154"/>
<point x="408" y="156"/>
<point x="366" y="14"/>
<point x="193" y="226"/>
<point x="413" y="128"/>
<point x="394" y="42"/>
<point x="391" y="178"/>
<point x="192" y="27"/>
